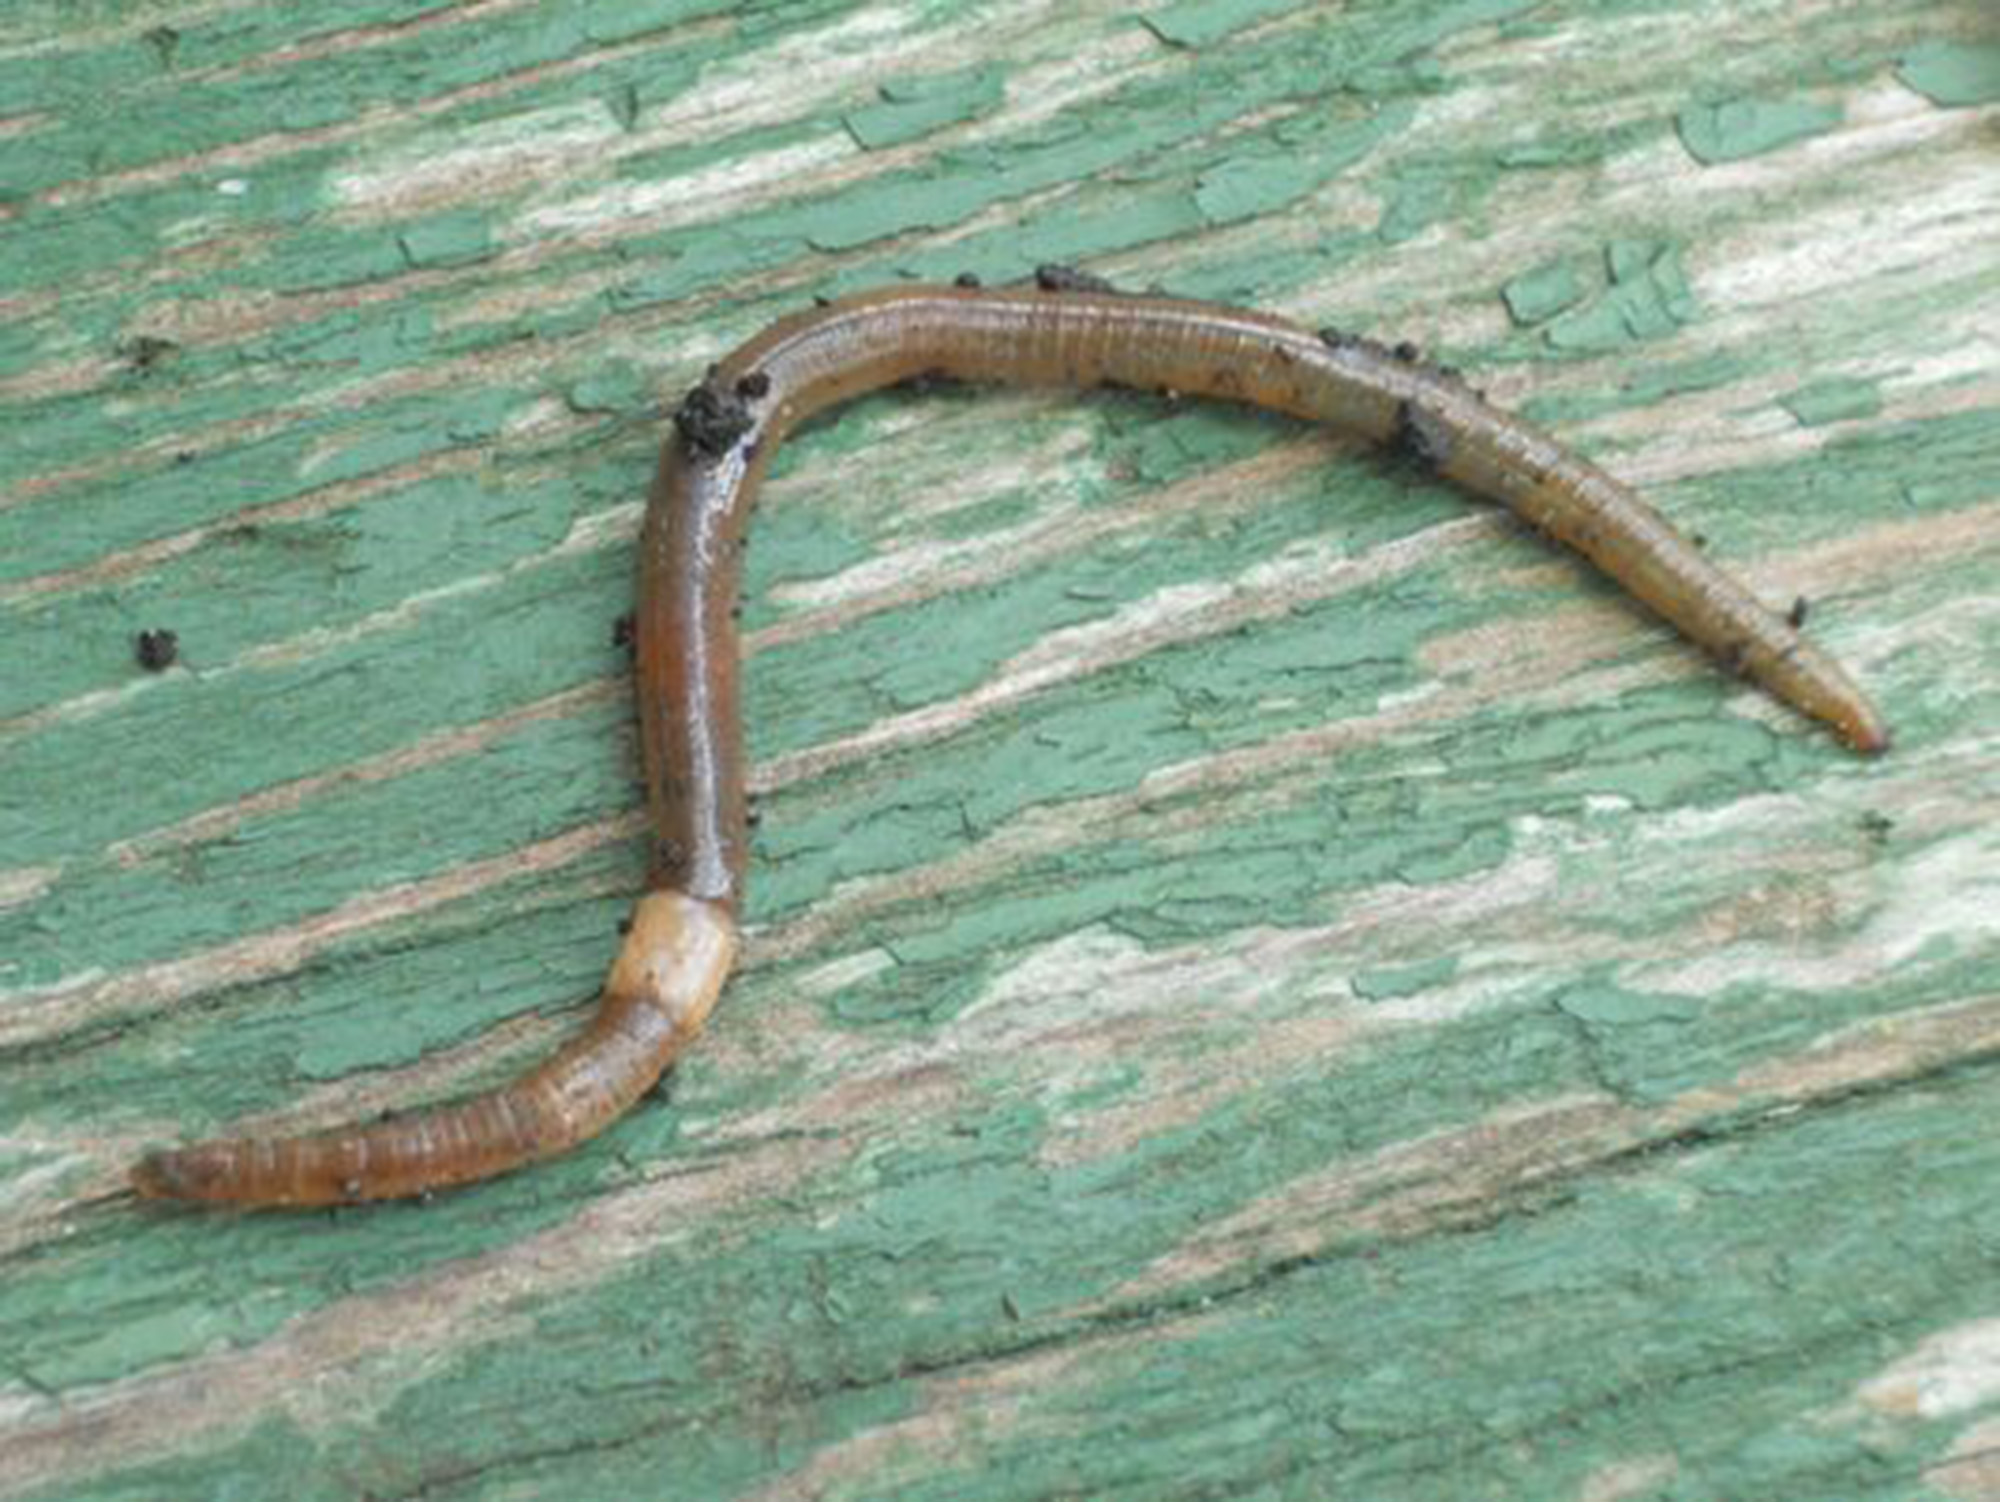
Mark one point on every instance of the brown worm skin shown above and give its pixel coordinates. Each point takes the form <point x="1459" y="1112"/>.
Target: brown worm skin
<point x="1065" y="330"/>
<point x="667" y="976"/>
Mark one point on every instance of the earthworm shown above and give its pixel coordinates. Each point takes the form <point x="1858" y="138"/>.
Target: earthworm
<point x="1064" y="329"/>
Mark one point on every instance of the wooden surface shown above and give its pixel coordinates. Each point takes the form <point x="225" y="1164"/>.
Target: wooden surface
<point x="1264" y="980"/>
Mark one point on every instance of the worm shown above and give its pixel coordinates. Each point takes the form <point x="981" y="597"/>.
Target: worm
<point x="1062" y="329"/>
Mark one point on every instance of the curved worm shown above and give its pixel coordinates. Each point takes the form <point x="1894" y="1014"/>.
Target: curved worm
<point x="1065" y="330"/>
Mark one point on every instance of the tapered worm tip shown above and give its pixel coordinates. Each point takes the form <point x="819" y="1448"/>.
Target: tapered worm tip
<point x="1860" y="724"/>
<point x="1871" y="738"/>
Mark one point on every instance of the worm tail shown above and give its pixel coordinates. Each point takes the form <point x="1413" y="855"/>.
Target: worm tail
<point x="676" y="955"/>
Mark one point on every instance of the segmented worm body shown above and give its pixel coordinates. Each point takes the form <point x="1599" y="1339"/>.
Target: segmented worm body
<point x="1064" y="330"/>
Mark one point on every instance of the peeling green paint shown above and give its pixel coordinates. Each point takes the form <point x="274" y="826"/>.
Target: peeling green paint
<point x="1198" y="23"/>
<point x="1536" y="296"/>
<point x="1654" y="381"/>
<point x="914" y="107"/>
<point x="1610" y="1006"/>
<point x="1637" y="291"/>
<point x="1392" y="983"/>
<point x="1735" y="129"/>
<point x="1836" y="399"/>
<point x="1252" y="182"/>
<point x="458" y="239"/>
<point x="1953" y="74"/>
<point x="1433" y="193"/>
<point x="617" y="386"/>
<point x="1648" y="296"/>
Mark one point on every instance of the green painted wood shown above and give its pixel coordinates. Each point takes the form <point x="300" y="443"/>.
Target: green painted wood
<point x="1264" y="982"/>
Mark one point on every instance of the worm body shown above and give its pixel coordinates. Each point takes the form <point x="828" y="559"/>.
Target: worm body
<point x="676" y="955"/>
<point x="1062" y="331"/>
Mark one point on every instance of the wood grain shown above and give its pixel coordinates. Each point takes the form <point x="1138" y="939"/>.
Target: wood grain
<point x="1262" y="980"/>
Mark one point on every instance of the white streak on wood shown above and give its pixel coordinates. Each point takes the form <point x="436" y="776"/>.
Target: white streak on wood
<point x="1951" y="1372"/>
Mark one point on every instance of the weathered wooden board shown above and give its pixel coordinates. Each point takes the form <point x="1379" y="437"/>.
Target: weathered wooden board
<point x="1264" y="980"/>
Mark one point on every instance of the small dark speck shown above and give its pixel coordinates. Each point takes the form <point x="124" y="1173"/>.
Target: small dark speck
<point x="822" y="302"/>
<point x="1054" y="278"/>
<point x="156" y="651"/>
<point x="1699" y="539"/>
<point x="184" y="456"/>
<point x="927" y="382"/>
<point x="754" y="386"/>
<point x="711" y="421"/>
<point x="624" y="926"/>
<point x="163" y="40"/>
<point x="625" y="631"/>
<point x="1422" y="435"/>
<point x="966" y="279"/>
<point x="149" y="352"/>
<point x="1408" y="353"/>
<point x="1877" y="827"/>
<point x="1797" y="614"/>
